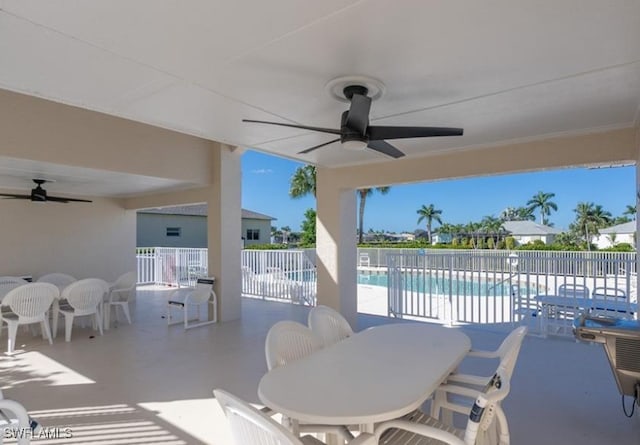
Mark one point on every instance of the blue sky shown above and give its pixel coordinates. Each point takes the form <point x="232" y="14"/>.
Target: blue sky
<point x="265" y="189"/>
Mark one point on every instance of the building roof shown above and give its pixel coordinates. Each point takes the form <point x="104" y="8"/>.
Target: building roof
<point x="529" y="228"/>
<point x="628" y="227"/>
<point x="201" y="210"/>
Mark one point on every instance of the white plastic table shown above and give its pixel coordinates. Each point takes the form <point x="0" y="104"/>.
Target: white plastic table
<point x="378" y="374"/>
<point x="554" y="303"/>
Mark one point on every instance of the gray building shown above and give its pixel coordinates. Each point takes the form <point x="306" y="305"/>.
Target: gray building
<point x="186" y="226"/>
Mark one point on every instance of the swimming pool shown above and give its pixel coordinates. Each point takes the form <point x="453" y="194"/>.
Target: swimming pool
<point x="430" y="284"/>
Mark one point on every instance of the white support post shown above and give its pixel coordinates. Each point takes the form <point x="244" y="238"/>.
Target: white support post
<point x="336" y="247"/>
<point x="223" y="230"/>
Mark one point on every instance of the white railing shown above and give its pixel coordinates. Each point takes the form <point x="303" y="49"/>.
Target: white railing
<point x="171" y="266"/>
<point x="477" y="286"/>
<point x="285" y="275"/>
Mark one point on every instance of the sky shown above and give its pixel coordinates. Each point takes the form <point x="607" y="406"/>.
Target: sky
<point x="265" y="189"/>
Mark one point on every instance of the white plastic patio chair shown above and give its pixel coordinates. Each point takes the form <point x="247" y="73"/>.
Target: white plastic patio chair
<point x="329" y="325"/>
<point x="83" y="298"/>
<point x="573" y="290"/>
<point x="612" y="293"/>
<point x="507" y="354"/>
<point x="119" y="295"/>
<point x="250" y="426"/>
<point x="61" y="281"/>
<point x="486" y="424"/>
<point x="28" y="304"/>
<point x="197" y="296"/>
<point x="286" y="342"/>
<point x="15" y="419"/>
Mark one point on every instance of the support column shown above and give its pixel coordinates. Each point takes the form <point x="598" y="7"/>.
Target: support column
<point x="336" y="249"/>
<point x="637" y="197"/>
<point x="224" y="236"/>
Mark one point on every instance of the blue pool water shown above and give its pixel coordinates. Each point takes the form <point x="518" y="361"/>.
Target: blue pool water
<point x="440" y="285"/>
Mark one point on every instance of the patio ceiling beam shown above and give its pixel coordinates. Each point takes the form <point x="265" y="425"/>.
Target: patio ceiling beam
<point x="181" y="197"/>
<point x="46" y="131"/>
<point x="606" y="147"/>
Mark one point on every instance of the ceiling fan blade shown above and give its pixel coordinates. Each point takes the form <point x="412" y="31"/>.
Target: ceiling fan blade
<point x="317" y="146"/>
<point x="302" y="127"/>
<point x="377" y="133"/>
<point x="358" y="117"/>
<point x="65" y="200"/>
<point x="385" y="148"/>
<point x="12" y="196"/>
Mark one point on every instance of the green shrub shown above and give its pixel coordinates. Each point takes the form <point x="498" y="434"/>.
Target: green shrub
<point x="268" y="246"/>
<point x="510" y="243"/>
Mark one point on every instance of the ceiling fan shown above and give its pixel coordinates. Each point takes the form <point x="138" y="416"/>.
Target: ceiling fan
<point x="355" y="133"/>
<point x="38" y="194"/>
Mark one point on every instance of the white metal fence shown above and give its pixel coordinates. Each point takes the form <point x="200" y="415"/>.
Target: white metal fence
<point x="171" y="266"/>
<point x="478" y="286"/>
<point x="279" y="275"/>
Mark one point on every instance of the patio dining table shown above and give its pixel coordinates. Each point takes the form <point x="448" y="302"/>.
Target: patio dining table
<point x="378" y="374"/>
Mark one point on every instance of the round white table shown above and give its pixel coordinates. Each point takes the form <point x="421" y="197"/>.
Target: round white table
<point x="378" y="374"/>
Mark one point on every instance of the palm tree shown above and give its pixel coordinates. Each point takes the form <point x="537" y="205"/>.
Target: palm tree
<point x="363" y="194"/>
<point x="543" y="202"/>
<point x="429" y="214"/>
<point x="493" y="227"/>
<point x="303" y="182"/>
<point x="517" y="214"/>
<point x="589" y="218"/>
<point x="630" y="211"/>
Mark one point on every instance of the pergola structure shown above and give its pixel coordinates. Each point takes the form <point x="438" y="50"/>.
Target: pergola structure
<point x="141" y="105"/>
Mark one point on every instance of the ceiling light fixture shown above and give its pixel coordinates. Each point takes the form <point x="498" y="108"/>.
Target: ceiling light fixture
<point x="354" y="145"/>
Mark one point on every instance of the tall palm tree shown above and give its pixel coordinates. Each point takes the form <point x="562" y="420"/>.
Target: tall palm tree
<point x="303" y="182"/>
<point x="429" y="214"/>
<point x="363" y="194"/>
<point x="517" y="214"/>
<point x="589" y="218"/>
<point x="542" y="201"/>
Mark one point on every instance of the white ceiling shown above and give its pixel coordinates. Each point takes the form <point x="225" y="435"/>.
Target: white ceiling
<point x="502" y="69"/>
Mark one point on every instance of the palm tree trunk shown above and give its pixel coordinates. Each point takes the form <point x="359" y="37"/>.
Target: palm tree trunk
<point x="363" y="199"/>
<point x="429" y="231"/>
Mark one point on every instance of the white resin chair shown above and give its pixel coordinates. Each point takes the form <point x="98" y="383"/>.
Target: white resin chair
<point x="286" y="342"/>
<point x="507" y="354"/>
<point x="250" y="426"/>
<point x="119" y="295"/>
<point x="486" y="424"/>
<point x="196" y="297"/>
<point x="61" y="281"/>
<point x="83" y="298"/>
<point x="28" y="304"/>
<point x="14" y="418"/>
<point x="329" y="325"/>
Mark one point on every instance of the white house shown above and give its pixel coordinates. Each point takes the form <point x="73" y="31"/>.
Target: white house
<point x="621" y="233"/>
<point x="186" y="226"/>
<point x="527" y="231"/>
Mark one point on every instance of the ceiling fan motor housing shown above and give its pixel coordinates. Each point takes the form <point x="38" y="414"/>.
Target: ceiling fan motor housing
<point x="38" y="194"/>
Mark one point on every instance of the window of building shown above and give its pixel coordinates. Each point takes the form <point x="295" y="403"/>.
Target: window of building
<point x="253" y="234"/>
<point x="174" y="231"/>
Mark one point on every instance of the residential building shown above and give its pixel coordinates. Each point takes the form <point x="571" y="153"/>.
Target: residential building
<point x="527" y="231"/>
<point x="620" y="233"/>
<point x="186" y="226"/>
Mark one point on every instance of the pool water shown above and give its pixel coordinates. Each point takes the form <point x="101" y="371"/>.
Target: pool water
<point x="439" y="285"/>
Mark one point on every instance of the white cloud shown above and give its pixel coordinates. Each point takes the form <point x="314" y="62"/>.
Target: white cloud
<point x="262" y="171"/>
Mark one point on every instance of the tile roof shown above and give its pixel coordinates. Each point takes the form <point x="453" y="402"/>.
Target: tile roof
<point x="628" y="227"/>
<point x="529" y="228"/>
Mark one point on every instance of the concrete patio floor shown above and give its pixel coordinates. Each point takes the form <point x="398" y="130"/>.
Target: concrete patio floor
<point x="150" y="384"/>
